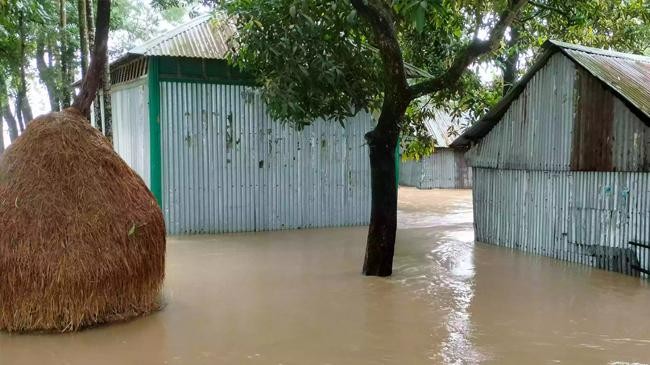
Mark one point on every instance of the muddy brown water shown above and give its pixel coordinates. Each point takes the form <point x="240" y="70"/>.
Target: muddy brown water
<point x="296" y="297"/>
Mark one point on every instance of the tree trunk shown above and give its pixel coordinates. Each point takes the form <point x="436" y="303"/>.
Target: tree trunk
<point x="19" y="116"/>
<point x="97" y="68"/>
<point x="510" y="68"/>
<point x="26" y="111"/>
<point x="106" y="93"/>
<point x="11" y="122"/>
<point x="2" y="136"/>
<point x="23" y="109"/>
<point x="65" y="93"/>
<point x="5" y="111"/>
<point x="83" y="36"/>
<point x="46" y="74"/>
<point x="383" y="215"/>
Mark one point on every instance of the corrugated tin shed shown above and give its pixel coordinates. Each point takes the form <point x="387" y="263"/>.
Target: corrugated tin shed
<point x="626" y="75"/>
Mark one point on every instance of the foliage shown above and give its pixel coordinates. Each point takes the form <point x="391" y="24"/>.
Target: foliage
<point x="34" y="26"/>
<point x="311" y="57"/>
<point x="622" y="25"/>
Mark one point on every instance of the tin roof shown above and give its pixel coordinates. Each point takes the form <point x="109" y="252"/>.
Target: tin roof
<point x="441" y="126"/>
<point x="626" y="75"/>
<point x="202" y="37"/>
<point x="207" y="37"/>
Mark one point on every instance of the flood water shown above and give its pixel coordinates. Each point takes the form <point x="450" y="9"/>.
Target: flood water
<point x="296" y="297"/>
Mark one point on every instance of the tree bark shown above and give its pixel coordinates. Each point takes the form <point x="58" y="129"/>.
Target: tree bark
<point x="510" y="67"/>
<point x="5" y="110"/>
<point x="65" y="91"/>
<point x="11" y="122"/>
<point x="83" y="36"/>
<point x="46" y="74"/>
<point x="19" y="116"/>
<point x="23" y="109"/>
<point x="2" y="136"/>
<point x="383" y="214"/>
<point x="106" y="93"/>
<point x="97" y="67"/>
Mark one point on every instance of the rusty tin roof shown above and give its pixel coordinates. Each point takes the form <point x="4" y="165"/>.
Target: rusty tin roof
<point x="626" y="75"/>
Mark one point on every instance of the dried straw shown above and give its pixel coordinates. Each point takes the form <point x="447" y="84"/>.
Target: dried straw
<point x="82" y="240"/>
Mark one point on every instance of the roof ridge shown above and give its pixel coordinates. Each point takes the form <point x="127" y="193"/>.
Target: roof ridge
<point x="140" y="49"/>
<point x="598" y="51"/>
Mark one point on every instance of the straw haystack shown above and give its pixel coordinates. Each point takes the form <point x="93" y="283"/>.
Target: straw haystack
<point x="82" y="239"/>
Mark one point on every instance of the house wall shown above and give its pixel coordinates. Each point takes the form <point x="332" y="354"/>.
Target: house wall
<point x="445" y="168"/>
<point x="584" y="217"/>
<point x="565" y="174"/>
<point x="130" y="117"/>
<point x="536" y="131"/>
<point x="227" y="167"/>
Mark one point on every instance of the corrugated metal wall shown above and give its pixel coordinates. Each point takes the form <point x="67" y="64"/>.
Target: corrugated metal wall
<point x="227" y="167"/>
<point x="631" y="142"/>
<point x="538" y="126"/>
<point x="583" y="217"/>
<point x="130" y="115"/>
<point x="445" y="169"/>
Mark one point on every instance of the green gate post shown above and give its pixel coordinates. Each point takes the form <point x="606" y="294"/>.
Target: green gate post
<point x="154" y="130"/>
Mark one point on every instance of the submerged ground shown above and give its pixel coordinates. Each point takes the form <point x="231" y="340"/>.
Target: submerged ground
<point x="296" y="297"/>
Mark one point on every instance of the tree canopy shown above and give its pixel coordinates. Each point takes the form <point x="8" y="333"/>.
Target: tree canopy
<point x="48" y="43"/>
<point x="315" y="59"/>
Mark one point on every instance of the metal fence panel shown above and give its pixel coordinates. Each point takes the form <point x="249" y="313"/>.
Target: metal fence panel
<point x="227" y="167"/>
<point x="584" y="217"/>
<point x="131" y="126"/>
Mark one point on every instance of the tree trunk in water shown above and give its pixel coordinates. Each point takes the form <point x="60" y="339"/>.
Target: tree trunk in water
<point x="383" y="215"/>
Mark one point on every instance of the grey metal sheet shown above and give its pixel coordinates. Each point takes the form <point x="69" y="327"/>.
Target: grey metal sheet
<point x="227" y="167"/>
<point x="130" y="116"/>
<point x="583" y="217"/>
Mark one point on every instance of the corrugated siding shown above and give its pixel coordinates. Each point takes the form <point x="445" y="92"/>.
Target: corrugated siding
<point x="227" y="167"/>
<point x="445" y="169"/>
<point x="536" y="130"/>
<point x="583" y="217"/>
<point x="130" y="116"/>
<point x="631" y="145"/>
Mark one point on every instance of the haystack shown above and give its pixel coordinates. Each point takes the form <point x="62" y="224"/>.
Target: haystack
<point x="82" y="239"/>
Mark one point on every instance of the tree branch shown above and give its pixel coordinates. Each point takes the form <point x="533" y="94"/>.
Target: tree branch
<point x="550" y="8"/>
<point x="396" y="91"/>
<point x="467" y="56"/>
<point x="92" y="80"/>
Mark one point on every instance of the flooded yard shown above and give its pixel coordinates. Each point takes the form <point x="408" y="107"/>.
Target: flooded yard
<point x="296" y="297"/>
